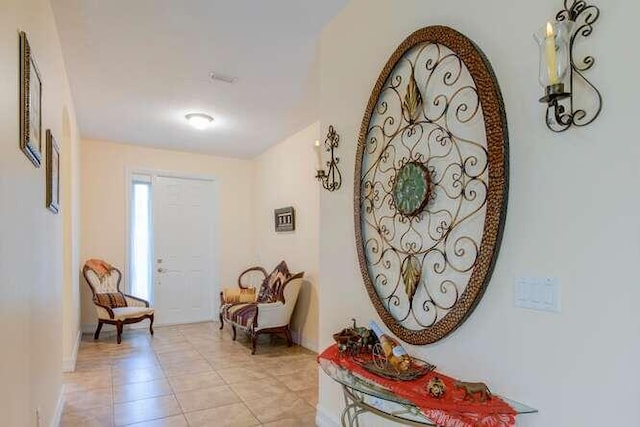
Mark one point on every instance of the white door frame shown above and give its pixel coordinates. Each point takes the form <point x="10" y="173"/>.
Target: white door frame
<point x="155" y="173"/>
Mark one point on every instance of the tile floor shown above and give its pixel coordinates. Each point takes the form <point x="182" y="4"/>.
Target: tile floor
<point x="190" y="375"/>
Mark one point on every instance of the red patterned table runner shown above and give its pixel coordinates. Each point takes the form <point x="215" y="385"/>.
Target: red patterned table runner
<point x="449" y="411"/>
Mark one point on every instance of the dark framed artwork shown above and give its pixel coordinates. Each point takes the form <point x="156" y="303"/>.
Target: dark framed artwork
<point x="30" y="104"/>
<point x="53" y="173"/>
<point x="285" y="219"/>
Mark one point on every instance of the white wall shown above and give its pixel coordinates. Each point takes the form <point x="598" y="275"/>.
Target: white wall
<point x="32" y="259"/>
<point x="572" y="212"/>
<point x="104" y="213"/>
<point x="285" y="176"/>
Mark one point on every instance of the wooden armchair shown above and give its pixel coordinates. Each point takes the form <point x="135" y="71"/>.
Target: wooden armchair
<point x="113" y="306"/>
<point x="268" y="312"/>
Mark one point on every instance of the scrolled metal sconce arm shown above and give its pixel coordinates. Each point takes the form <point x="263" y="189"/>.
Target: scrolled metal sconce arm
<point x="562" y="112"/>
<point x="331" y="178"/>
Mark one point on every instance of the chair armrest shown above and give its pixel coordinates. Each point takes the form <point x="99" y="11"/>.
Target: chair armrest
<point x="102" y="309"/>
<point x="271" y="315"/>
<point x="135" y="302"/>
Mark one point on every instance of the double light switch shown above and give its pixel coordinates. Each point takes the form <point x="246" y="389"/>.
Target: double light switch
<point x="536" y="293"/>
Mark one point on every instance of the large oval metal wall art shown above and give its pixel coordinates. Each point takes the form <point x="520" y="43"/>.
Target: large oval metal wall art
<point x="431" y="184"/>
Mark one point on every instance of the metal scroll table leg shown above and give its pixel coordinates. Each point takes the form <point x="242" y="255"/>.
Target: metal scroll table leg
<point x="354" y="405"/>
<point x="351" y="410"/>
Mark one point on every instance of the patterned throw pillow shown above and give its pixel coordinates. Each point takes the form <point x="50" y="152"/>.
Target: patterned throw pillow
<point x="234" y="296"/>
<point x="111" y="300"/>
<point x="269" y="289"/>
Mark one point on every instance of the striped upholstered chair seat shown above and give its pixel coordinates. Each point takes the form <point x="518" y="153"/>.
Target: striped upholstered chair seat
<point x="241" y="313"/>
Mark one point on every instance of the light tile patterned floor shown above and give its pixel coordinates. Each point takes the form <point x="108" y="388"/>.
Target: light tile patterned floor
<point x="190" y="375"/>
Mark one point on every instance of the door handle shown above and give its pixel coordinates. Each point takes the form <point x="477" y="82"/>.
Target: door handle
<point x="161" y="270"/>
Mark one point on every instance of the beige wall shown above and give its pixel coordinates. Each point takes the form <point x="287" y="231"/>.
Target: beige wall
<point x="70" y="194"/>
<point x="284" y="176"/>
<point x="104" y="212"/>
<point x="572" y="213"/>
<point x="32" y="259"/>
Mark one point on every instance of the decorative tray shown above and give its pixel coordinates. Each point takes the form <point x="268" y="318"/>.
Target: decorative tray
<point x="417" y="369"/>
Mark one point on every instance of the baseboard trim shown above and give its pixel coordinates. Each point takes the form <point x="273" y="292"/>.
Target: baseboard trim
<point x="308" y="344"/>
<point x="89" y="329"/>
<point x="57" y="415"/>
<point x="69" y="365"/>
<point x="325" y="419"/>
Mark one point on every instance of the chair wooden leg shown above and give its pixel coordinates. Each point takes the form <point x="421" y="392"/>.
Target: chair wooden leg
<point x="221" y="321"/>
<point x="289" y="338"/>
<point x="254" y="341"/>
<point x="119" y="326"/>
<point x="233" y="327"/>
<point x="151" y="325"/>
<point x="97" y="334"/>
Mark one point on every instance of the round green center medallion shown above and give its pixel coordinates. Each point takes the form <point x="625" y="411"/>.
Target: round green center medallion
<point x="411" y="188"/>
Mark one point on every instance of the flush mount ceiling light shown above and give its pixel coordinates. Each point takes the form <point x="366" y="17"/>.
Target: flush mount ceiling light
<point x="199" y="120"/>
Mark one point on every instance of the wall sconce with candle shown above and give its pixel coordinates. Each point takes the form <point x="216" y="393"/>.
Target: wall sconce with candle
<point x="331" y="179"/>
<point x="560" y="74"/>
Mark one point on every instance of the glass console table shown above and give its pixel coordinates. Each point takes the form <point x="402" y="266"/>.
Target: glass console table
<point x="362" y="396"/>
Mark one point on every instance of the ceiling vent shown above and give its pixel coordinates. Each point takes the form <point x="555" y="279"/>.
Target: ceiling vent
<point x="217" y="77"/>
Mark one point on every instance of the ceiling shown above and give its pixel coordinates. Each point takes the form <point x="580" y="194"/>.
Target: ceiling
<point x="136" y="67"/>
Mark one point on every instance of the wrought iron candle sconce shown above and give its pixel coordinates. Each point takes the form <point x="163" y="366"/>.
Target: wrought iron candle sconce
<point x="331" y="178"/>
<point x="558" y="66"/>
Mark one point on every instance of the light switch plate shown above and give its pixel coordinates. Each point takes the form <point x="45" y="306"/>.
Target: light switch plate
<point x="535" y="293"/>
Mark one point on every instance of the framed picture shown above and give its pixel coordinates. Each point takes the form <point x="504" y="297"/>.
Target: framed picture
<point x="285" y="219"/>
<point x="30" y="104"/>
<point x="53" y="173"/>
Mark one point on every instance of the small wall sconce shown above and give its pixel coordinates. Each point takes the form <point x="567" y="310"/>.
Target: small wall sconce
<point x="331" y="179"/>
<point x="557" y="67"/>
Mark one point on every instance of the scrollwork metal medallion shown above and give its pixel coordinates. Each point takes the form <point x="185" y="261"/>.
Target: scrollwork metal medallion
<point x="431" y="184"/>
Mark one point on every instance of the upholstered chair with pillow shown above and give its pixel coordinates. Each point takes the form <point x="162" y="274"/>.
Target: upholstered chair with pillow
<point x="263" y="303"/>
<point x="113" y="306"/>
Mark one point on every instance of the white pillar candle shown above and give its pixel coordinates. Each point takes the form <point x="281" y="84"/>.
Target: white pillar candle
<point x="318" y="154"/>
<point x="551" y="56"/>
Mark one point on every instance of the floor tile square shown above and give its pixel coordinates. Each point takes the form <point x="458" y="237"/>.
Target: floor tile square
<point x="195" y="381"/>
<point x="252" y="390"/>
<point x="145" y="410"/>
<point x="237" y="375"/>
<point x="236" y="415"/>
<point x="174" y="421"/>
<point x="206" y="398"/>
<point x="141" y="375"/>
<point x="85" y="400"/>
<point x="273" y="408"/>
<point x="96" y="417"/>
<point x="144" y="390"/>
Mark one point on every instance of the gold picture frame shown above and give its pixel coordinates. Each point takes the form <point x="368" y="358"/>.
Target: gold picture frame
<point x="30" y="104"/>
<point x="53" y="173"/>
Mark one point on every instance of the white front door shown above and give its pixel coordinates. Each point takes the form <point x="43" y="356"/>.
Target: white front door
<point x="184" y="249"/>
